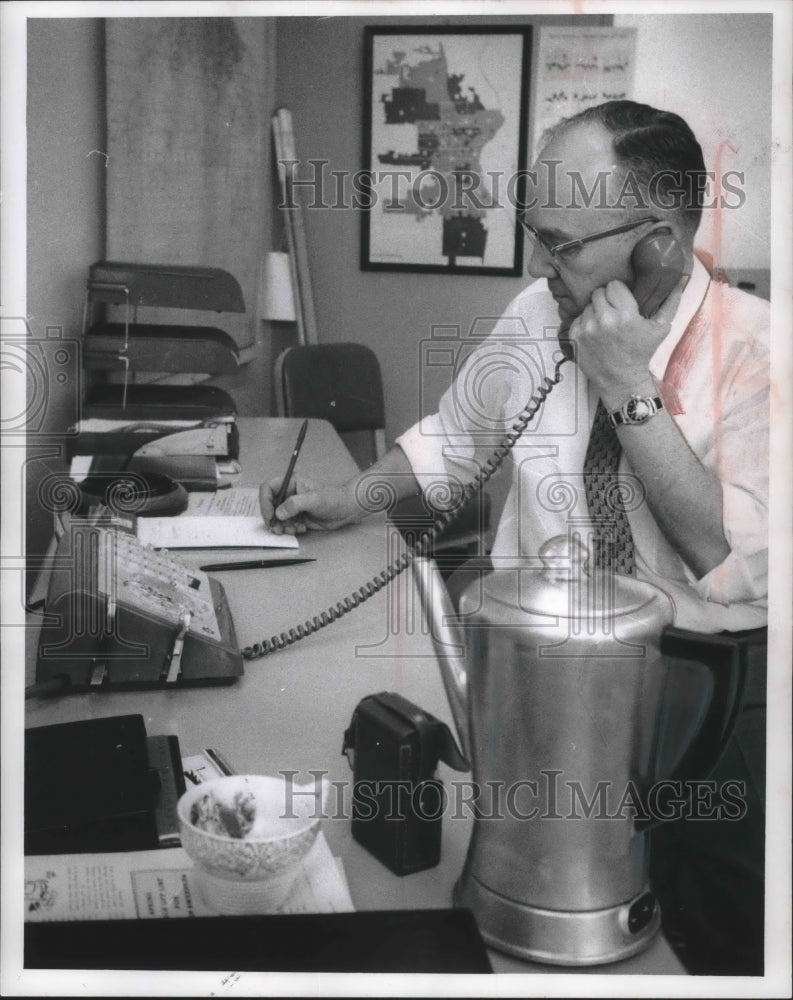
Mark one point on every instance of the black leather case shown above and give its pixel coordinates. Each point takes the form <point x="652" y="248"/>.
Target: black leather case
<point x="398" y="802"/>
<point x="89" y="787"/>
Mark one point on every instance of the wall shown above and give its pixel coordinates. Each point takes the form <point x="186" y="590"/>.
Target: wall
<point x="188" y="181"/>
<point x="714" y="69"/>
<point x="724" y="57"/>
<point x="320" y="73"/>
<point x="65" y="220"/>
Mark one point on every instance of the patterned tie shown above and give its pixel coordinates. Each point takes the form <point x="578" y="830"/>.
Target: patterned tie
<point x="614" y="549"/>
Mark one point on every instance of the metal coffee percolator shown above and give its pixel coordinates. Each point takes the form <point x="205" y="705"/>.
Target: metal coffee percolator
<point x="564" y="716"/>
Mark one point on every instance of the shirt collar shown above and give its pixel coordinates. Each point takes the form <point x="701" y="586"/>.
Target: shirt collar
<point x="690" y="301"/>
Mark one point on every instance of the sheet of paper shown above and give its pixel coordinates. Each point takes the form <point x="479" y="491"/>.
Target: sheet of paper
<point x="149" y="884"/>
<point x="190" y="532"/>
<point x="101" y="425"/>
<point x="238" y="501"/>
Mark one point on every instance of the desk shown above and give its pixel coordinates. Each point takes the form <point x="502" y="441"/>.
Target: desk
<point x="290" y="709"/>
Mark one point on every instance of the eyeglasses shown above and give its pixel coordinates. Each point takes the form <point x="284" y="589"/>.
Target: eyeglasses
<point x="568" y="248"/>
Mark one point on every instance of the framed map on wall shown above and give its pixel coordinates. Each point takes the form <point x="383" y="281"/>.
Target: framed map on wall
<point x="445" y="116"/>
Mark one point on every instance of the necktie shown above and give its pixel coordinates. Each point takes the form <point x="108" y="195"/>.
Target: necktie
<point x="614" y="549"/>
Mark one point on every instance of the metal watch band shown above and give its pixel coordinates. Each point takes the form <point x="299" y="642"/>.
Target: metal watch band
<point x="637" y="410"/>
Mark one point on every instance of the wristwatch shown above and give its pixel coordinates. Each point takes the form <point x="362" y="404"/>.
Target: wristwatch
<point x="637" y="410"/>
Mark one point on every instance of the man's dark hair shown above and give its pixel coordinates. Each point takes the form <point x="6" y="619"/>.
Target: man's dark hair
<point x="651" y="143"/>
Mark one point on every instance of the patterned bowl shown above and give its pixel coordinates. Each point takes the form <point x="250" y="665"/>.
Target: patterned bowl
<point x="248" y="827"/>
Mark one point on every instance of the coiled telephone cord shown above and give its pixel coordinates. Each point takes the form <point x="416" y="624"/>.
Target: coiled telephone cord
<point x="418" y="548"/>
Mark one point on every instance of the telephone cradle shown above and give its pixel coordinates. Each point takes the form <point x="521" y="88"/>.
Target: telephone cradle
<point x="120" y="615"/>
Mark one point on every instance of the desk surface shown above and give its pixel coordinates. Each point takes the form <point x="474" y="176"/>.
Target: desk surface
<point x="290" y="709"/>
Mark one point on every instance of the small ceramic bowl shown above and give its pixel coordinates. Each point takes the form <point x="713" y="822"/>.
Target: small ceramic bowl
<point x="246" y="835"/>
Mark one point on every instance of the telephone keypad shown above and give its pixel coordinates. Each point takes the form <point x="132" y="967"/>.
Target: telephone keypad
<point x="155" y="582"/>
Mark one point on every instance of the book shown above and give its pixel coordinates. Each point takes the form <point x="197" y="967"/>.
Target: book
<point x="89" y="787"/>
<point x="164" y="757"/>
<point x="100" y="785"/>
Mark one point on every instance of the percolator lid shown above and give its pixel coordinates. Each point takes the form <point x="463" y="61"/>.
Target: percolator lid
<point x="567" y="586"/>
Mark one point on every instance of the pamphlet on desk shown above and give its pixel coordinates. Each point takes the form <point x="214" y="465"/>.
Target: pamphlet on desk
<point x="159" y="884"/>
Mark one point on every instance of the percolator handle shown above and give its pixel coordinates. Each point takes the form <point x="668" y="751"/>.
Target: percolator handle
<point x="726" y="655"/>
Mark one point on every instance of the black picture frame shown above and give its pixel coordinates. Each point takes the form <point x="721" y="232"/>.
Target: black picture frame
<point x="438" y="199"/>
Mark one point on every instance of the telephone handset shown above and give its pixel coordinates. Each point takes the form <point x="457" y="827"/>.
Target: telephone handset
<point x="658" y="264"/>
<point x="146" y="493"/>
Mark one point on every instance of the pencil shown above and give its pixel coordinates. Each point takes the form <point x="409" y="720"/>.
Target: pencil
<point x="292" y="461"/>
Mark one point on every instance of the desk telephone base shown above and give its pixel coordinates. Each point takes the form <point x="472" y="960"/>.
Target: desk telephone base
<point x="121" y="615"/>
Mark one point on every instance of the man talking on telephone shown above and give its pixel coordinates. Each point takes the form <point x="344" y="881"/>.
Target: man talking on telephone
<point x="669" y="393"/>
<point x="683" y="393"/>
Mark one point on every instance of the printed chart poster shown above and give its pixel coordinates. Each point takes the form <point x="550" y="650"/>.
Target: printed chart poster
<point x="579" y="68"/>
<point x="446" y="140"/>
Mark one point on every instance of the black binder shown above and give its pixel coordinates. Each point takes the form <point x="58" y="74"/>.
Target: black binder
<point x="91" y="786"/>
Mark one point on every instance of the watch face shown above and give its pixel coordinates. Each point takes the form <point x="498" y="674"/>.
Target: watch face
<point x="638" y="410"/>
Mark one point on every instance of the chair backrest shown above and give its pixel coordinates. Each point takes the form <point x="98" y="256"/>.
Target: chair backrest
<point x="340" y="383"/>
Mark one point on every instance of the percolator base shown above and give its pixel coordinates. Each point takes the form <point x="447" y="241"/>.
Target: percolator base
<point x="561" y="937"/>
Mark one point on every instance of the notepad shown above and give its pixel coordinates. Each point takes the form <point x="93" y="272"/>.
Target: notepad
<point x="211" y="532"/>
<point x="238" y="501"/>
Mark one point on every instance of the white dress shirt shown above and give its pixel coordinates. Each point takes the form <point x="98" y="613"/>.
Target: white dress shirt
<point x="712" y="372"/>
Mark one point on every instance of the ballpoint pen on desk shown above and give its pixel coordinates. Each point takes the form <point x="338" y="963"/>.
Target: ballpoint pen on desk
<point x="254" y="564"/>
<point x="288" y="477"/>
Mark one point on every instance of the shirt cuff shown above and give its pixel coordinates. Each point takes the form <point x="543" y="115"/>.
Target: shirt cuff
<point x="740" y="579"/>
<point x="423" y="446"/>
<point x="743" y="576"/>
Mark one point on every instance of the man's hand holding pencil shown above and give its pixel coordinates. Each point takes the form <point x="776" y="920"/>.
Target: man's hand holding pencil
<point x="308" y="505"/>
<point x="292" y="504"/>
